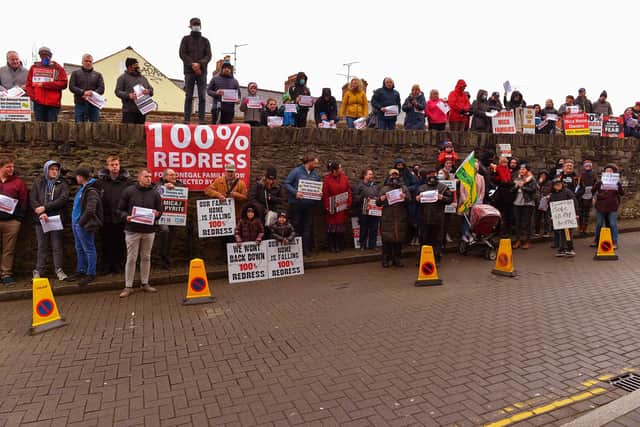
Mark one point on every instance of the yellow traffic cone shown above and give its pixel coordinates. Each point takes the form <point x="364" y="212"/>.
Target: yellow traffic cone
<point x="427" y="270"/>
<point x="504" y="260"/>
<point x="198" y="291"/>
<point x="605" y="246"/>
<point x="45" y="310"/>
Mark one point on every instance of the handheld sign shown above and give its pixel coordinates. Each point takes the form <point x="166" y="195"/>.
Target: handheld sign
<point x="311" y="190"/>
<point x="216" y="218"/>
<point x="563" y="214"/>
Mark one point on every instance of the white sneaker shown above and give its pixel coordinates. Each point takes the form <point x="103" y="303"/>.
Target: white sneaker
<point x="36" y="274"/>
<point x="61" y="275"/>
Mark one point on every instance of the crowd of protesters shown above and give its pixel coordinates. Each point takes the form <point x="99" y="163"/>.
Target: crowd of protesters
<point x="46" y="79"/>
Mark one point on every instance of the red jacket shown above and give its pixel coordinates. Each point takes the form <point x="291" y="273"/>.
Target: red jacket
<point x="15" y="188"/>
<point x="47" y="93"/>
<point x="332" y="186"/>
<point x="444" y="156"/>
<point x="458" y="101"/>
<point x="434" y="114"/>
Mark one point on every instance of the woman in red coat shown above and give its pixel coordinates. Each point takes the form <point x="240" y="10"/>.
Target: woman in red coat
<point x="336" y="196"/>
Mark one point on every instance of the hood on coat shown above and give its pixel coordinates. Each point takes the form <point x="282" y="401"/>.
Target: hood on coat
<point x="246" y="208"/>
<point x="392" y="86"/>
<point x="545" y="172"/>
<point x="480" y="93"/>
<point x="460" y="86"/>
<point x="516" y="96"/>
<point x="301" y="75"/>
<point x="397" y="161"/>
<point x="46" y="167"/>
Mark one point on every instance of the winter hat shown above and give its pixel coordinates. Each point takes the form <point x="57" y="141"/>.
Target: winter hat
<point x="392" y="171"/>
<point x="603" y="93"/>
<point x="446" y="144"/>
<point x="496" y="94"/>
<point x="526" y="166"/>
<point x="581" y="90"/>
<point x="226" y="65"/>
<point x="130" y="61"/>
<point x="612" y="166"/>
<point x="194" y="22"/>
<point x="46" y="50"/>
<point x="271" y="173"/>
<point x="282" y="213"/>
<point x="230" y="167"/>
<point x="83" y="172"/>
<point x="326" y="91"/>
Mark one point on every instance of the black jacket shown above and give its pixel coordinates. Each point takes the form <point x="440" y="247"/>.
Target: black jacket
<point x="263" y="198"/>
<point x="54" y="200"/>
<point x="265" y="114"/>
<point x="282" y="232"/>
<point x="142" y="197"/>
<point x="296" y="89"/>
<point x="111" y="192"/>
<point x="195" y="48"/>
<point x="82" y="80"/>
<point x="433" y="213"/>
<point x="383" y="97"/>
<point x="329" y="107"/>
<point x="362" y="191"/>
<point x="92" y="216"/>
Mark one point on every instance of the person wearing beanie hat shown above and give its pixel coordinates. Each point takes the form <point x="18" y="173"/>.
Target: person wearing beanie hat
<point x="48" y="198"/>
<point x="525" y="188"/>
<point x="267" y="197"/>
<point x="602" y="106"/>
<point x="583" y="101"/>
<point x="229" y="186"/>
<point x="447" y="153"/>
<point x="225" y="90"/>
<point x="125" y="91"/>
<point x="195" y="53"/>
<point x="282" y="230"/>
<point x="328" y="105"/>
<point x="249" y="228"/>
<point x="86" y="218"/>
<point x="395" y="219"/>
<point x="563" y="239"/>
<point x="45" y="82"/>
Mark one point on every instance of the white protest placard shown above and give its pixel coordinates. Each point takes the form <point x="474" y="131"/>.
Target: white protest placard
<point x="327" y="125"/>
<point x="145" y="104"/>
<point x="97" y="100"/>
<point x="595" y="124"/>
<point x="274" y="121"/>
<point x="551" y="117"/>
<point x="505" y="150"/>
<point x="355" y="228"/>
<point x="290" y="108"/>
<point x="8" y="204"/>
<point x="360" y="123"/>
<point x="229" y="95"/>
<point x="443" y="107"/>
<point x="174" y="203"/>
<point x="394" y="196"/>
<point x="15" y="92"/>
<point x="142" y="215"/>
<point x="306" y="101"/>
<point x="563" y="214"/>
<point x="391" y="111"/>
<point x="311" y="190"/>
<point x="507" y="86"/>
<point x="15" y="109"/>
<point x="504" y="123"/>
<point x="610" y="180"/>
<point x="53" y="223"/>
<point x="247" y="262"/>
<point x="451" y="207"/>
<point x="216" y="218"/>
<point x="430" y="196"/>
<point x="338" y="203"/>
<point x="370" y="207"/>
<point x="285" y="260"/>
<point x="254" y="102"/>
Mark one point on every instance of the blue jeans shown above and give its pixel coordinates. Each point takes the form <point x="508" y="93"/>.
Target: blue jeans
<point x="350" y="121"/>
<point x="190" y="81"/>
<point x="610" y="219"/>
<point x="85" y="250"/>
<point x="386" y="123"/>
<point x="86" y="112"/>
<point x="368" y="231"/>
<point x="44" y="113"/>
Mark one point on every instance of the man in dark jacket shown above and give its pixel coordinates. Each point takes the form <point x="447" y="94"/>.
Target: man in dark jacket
<point x="299" y="89"/>
<point x="86" y="219"/>
<point x="13" y="206"/>
<point x="583" y="101"/>
<point x="585" y="195"/>
<point x="432" y="212"/>
<point x="48" y="198"/>
<point x="479" y="108"/>
<point x="326" y="104"/>
<point x="166" y="233"/>
<point x="386" y="103"/>
<point x="140" y="206"/>
<point x="301" y="205"/>
<point x="125" y="85"/>
<point x="113" y="181"/>
<point x="83" y="83"/>
<point x="266" y="196"/>
<point x="195" y="52"/>
<point x="516" y="101"/>
<point x="563" y="239"/>
<point x="217" y="87"/>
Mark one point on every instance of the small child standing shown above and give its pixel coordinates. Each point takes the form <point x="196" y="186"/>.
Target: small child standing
<point x="282" y="230"/>
<point x="447" y="153"/>
<point x="563" y="238"/>
<point x="252" y="106"/>
<point x="288" y="117"/>
<point x="542" y="218"/>
<point x="249" y="228"/>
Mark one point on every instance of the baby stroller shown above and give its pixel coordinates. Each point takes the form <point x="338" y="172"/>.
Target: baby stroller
<point x="484" y="224"/>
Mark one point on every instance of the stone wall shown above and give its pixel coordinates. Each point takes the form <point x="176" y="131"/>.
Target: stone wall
<point x="89" y="144"/>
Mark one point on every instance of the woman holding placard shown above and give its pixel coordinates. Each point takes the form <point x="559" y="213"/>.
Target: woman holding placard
<point x="354" y="103"/>
<point x="365" y="194"/>
<point x="395" y="219"/>
<point x="606" y="195"/>
<point x="336" y="197"/>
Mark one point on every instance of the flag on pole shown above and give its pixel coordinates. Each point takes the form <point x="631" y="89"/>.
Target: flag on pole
<point x="466" y="173"/>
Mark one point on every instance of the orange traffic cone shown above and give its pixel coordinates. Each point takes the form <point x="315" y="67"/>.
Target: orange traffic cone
<point x="605" y="246"/>
<point x="198" y="291"/>
<point x="427" y="270"/>
<point x="504" y="260"/>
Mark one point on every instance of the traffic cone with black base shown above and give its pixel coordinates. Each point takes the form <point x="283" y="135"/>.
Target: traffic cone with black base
<point x="504" y="260"/>
<point x="45" y="311"/>
<point x="605" y="251"/>
<point x="427" y="270"/>
<point x="198" y="291"/>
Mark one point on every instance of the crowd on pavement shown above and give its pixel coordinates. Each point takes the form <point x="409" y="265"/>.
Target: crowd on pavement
<point x="46" y="79"/>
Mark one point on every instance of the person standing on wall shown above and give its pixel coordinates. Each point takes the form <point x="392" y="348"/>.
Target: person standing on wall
<point x="220" y="87"/>
<point x="386" y="103"/>
<point x="45" y="82"/>
<point x="354" y="103"/>
<point x="298" y="89"/>
<point x="82" y="84"/>
<point x="13" y="74"/>
<point x="125" y="91"/>
<point x="195" y="52"/>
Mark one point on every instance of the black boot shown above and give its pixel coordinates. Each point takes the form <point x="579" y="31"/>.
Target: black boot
<point x="386" y="255"/>
<point x="397" y="255"/>
<point x="339" y="239"/>
<point x="331" y="242"/>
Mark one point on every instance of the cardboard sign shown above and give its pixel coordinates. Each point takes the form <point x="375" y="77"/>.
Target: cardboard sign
<point x="355" y="228"/>
<point x="229" y="95"/>
<point x="430" y="196"/>
<point x="613" y="127"/>
<point x="505" y="150"/>
<point x="15" y="109"/>
<point x="306" y="101"/>
<point x="451" y="207"/>
<point x="595" y="124"/>
<point x="338" y="203"/>
<point x="394" y="196"/>
<point x="254" y="102"/>
<point x="290" y="108"/>
<point x="507" y="86"/>
<point x="576" y="124"/>
<point x="371" y="208"/>
<point x="274" y="121"/>
<point x="391" y="111"/>
<point x="216" y="218"/>
<point x="563" y="214"/>
<point x="504" y="123"/>
<point x="174" y="202"/>
<point x="311" y="190"/>
<point x="198" y="153"/>
<point x="248" y="262"/>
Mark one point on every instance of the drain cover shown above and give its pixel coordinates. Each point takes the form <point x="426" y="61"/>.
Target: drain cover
<point x="627" y="382"/>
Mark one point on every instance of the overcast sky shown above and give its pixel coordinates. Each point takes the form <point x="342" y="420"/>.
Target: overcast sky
<point x="545" y="48"/>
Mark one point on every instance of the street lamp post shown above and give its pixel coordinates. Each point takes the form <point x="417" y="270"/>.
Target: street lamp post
<point x="235" y="55"/>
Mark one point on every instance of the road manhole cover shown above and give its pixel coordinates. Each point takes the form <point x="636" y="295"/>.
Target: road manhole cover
<point x="627" y="382"/>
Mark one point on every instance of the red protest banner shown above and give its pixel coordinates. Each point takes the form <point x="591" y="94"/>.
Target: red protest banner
<point x="613" y="127"/>
<point x="576" y="124"/>
<point x="198" y="153"/>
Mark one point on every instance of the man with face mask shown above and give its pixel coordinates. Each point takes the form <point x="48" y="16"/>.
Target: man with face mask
<point x="45" y="82"/>
<point x="195" y="52"/>
<point x="298" y="89"/>
<point x="124" y="90"/>
<point x="432" y="211"/>
<point x="218" y="85"/>
<point x="13" y="74"/>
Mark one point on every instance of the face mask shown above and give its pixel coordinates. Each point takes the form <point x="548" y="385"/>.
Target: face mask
<point x="483" y="98"/>
<point x="432" y="180"/>
<point x="195" y="28"/>
<point x="440" y="176"/>
<point x="302" y="82"/>
<point x="46" y="62"/>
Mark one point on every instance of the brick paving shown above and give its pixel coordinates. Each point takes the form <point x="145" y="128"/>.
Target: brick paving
<point x="354" y="345"/>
